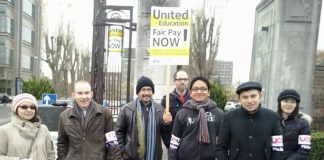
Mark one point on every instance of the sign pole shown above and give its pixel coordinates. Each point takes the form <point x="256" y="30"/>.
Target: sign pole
<point x="167" y="84"/>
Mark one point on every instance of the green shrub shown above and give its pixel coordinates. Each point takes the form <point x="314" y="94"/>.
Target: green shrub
<point x="37" y="87"/>
<point x="317" y="151"/>
<point x="218" y="94"/>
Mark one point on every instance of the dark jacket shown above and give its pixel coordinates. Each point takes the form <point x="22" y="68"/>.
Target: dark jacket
<point x="185" y="129"/>
<point x="75" y="143"/>
<point x="174" y="106"/>
<point x="126" y="131"/>
<point x="295" y="128"/>
<point x="249" y="137"/>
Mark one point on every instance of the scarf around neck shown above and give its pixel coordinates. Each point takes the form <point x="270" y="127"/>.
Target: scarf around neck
<point x="203" y="134"/>
<point x="149" y="150"/>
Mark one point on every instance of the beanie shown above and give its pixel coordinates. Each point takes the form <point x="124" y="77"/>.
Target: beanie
<point x="142" y="82"/>
<point x="289" y="93"/>
<point x="19" y="99"/>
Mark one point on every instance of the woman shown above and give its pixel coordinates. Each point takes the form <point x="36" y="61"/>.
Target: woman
<point x="196" y="125"/>
<point x="296" y="132"/>
<point x="25" y="137"/>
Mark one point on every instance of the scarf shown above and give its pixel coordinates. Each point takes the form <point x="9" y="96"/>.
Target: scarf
<point x="151" y="132"/>
<point x="203" y="134"/>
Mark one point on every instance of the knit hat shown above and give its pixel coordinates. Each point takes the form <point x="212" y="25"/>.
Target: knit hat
<point x="248" y="86"/>
<point x="289" y="93"/>
<point x="142" y="82"/>
<point x="19" y="99"/>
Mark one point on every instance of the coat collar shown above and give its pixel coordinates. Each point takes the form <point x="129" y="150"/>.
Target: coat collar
<point x="96" y="109"/>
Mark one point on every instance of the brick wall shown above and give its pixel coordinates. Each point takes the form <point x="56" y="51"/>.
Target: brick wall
<point x="318" y="113"/>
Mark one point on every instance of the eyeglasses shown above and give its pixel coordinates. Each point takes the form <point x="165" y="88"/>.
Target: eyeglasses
<point x="181" y="79"/>
<point x="25" y="107"/>
<point x="199" y="89"/>
<point x="146" y="89"/>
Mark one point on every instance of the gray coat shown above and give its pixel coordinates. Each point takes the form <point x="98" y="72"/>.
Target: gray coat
<point x="126" y="131"/>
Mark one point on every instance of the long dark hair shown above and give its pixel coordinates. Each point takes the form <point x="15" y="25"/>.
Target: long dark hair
<point x="293" y="114"/>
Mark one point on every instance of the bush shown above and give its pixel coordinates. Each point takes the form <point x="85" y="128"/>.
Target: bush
<point x="317" y="151"/>
<point x="218" y="94"/>
<point x="37" y="87"/>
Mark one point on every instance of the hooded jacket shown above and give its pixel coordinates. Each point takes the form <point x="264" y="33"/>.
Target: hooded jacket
<point x="16" y="137"/>
<point x="184" y="143"/>
<point x="75" y="143"/>
<point x="296" y="138"/>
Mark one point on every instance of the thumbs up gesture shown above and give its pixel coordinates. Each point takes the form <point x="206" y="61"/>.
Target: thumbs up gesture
<point x="167" y="117"/>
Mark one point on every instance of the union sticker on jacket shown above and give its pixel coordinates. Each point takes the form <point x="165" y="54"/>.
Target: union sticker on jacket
<point x="277" y="144"/>
<point x="304" y="139"/>
<point x="174" y="142"/>
<point x="111" y="137"/>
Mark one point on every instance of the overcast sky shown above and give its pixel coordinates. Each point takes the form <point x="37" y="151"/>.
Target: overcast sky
<point x="236" y="34"/>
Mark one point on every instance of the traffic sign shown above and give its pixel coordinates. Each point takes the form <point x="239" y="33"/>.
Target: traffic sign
<point x="48" y="98"/>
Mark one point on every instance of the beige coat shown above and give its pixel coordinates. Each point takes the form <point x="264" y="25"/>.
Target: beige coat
<point x="16" y="137"/>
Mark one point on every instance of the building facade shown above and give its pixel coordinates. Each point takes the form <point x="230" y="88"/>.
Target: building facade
<point x="20" y="32"/>
<point x="223" y="72"/>
<point x="284" y="47"/>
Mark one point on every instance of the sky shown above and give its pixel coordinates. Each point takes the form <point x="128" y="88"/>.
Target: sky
<point x="237" y="18"/>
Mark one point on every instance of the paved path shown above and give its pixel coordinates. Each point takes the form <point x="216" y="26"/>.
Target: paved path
<point x="5" y="112"/>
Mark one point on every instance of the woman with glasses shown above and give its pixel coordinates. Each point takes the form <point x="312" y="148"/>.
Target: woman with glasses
<point x="196" y="125"/>
<point x="25" y="137"/>
<point x="295" y="126"/>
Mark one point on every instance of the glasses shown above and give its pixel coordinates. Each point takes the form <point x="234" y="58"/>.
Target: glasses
<point x="199" y="89"/>
<point x="181" y="79"/>
<point x="25" y="107"/>
<point x="146" y="89"/>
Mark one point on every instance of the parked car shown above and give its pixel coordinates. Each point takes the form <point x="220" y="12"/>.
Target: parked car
<point x="229" y="106"/>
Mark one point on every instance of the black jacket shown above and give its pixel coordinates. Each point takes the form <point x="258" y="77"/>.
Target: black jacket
<point x="126" y="131"/>
<point x="185" y="127"/>
<point x="295" y="128"/>
<point x="249" y="137"/>
<point x="174" y="106"/>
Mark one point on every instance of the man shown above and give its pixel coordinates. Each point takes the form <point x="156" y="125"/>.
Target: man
<point x="176" y="99"/>
<point x="139" y="124"/>
<point x="251" y="131"/>
<point x="81" y="132"/>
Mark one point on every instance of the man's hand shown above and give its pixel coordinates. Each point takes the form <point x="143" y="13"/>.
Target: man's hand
<point x="167" y="117"/>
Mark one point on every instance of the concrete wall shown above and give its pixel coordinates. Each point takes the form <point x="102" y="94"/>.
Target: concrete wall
<point x="284" y="47"/>
<point x="155" y="72"/>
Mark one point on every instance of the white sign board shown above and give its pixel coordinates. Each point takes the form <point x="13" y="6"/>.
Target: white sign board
<point x="170" y="36"/>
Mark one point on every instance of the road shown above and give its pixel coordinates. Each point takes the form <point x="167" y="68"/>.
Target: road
<point x="5" y="111"/>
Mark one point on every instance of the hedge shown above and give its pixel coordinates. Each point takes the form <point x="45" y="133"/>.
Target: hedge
<point x="317" y="151"/>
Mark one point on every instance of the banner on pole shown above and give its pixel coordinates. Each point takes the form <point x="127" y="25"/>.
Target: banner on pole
<point x="170" y="36"/>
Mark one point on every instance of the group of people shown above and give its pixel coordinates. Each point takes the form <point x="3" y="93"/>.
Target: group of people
<point x="192" y="127"/>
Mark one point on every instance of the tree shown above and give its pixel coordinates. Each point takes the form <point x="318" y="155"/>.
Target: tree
<point x="218" y="94"/>
<point x="205" y="32"/>
<point x="204" y="45"/>
<point x="320" y="57"/>
<point x="37" y="87"/>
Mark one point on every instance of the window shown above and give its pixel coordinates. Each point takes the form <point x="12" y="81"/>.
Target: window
<point x="6" y="56"/>
<point x="7" y="25"/>
<point x="3" y="8"/>
<point x="28" y="35"/>
<point x="28" y="8"/>
<point x="26" y="62"/>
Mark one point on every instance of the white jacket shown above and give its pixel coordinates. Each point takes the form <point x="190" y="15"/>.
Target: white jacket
<point x="16" y="137"/>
